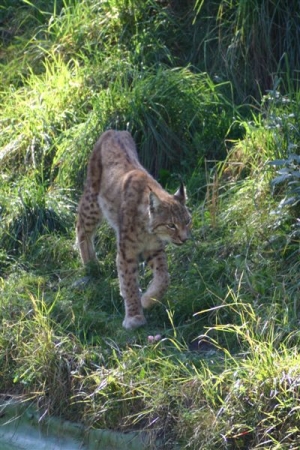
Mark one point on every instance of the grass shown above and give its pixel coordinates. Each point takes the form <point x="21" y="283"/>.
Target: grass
<point x="253" y="43"/>
<point x="225" y="373"/>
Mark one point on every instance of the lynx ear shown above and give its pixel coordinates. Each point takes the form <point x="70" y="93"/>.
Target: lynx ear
<point x="154" y="201"/>
<point x="180" y="194"/>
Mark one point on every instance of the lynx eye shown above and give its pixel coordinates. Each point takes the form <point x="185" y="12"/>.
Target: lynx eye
<point x="172" y="226"/>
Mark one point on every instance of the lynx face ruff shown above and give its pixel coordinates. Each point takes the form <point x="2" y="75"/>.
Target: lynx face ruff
<point x="144" y="216"/>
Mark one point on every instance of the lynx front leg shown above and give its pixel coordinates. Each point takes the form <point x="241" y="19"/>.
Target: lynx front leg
<point x="127" y="266"/>
<point x="157" y="261"/>
<point x="89" y="217"/>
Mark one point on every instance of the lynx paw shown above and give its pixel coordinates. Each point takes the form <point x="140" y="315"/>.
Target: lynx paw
<point x="134" y="322"/>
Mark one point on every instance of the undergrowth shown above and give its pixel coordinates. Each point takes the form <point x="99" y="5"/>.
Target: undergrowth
<point x="224" y="372"/>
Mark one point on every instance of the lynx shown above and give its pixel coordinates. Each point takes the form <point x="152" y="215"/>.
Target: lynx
<point x="143" y="215"/>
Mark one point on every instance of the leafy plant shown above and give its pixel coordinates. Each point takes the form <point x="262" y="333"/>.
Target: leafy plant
<point x="282" y="120"/>
<point x="288" y="173"/>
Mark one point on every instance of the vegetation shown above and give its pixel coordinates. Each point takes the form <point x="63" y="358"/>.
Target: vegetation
<point x="210" y="92"/>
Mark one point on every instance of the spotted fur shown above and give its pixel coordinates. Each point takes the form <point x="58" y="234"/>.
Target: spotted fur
<point x="144" y="216"/>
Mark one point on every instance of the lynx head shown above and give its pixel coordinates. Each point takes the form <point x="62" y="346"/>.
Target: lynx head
<point x="169" y="217"/>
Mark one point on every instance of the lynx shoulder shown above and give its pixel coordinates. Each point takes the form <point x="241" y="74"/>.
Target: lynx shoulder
<point x="144" y="216"/>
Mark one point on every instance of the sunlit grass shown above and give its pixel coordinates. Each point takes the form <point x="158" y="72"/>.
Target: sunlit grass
<point x="83" y="67"/>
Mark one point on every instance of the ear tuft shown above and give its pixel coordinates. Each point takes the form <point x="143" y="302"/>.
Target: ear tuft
<point x="180" y="194"/>
<point x="154" y="201"/>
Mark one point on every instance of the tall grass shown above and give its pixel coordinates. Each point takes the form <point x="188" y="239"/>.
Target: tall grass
<point x="247" y="43"/>
<point x="32" y="210"/>
<point x="247" y="399"/>
<point x="166" y="110"/>
<point x="257" y="42"/>
<point x="264" y="376"/>
<point x="225" y="372"/>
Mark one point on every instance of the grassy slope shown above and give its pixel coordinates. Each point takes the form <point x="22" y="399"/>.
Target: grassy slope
<point x="67" y="76"/>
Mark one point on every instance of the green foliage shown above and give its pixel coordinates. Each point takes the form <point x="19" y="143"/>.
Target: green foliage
<point x="70" y="70"/>
<point x="282" y="118"/>
<point x="248" y="42"/>
<point x="263" y="376"/>
<point x="289" y="173"/>
<point x="31" y="210"/>
<point x="166" y="112"/>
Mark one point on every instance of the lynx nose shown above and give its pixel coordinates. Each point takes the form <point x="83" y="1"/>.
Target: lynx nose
<point x="184" y="237"/>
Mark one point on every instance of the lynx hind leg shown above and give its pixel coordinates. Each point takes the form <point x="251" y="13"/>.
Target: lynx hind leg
<point x="157" y="262"/>
<point x="89" y="218"/>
